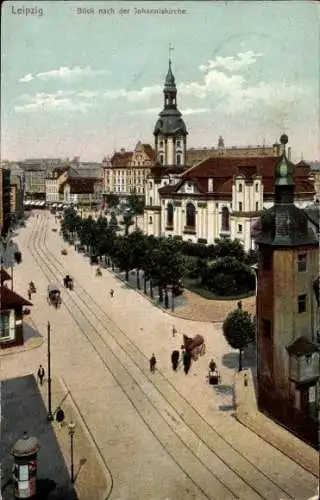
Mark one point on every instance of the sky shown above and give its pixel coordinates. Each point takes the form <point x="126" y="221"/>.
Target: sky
<point x="77" y="83"/>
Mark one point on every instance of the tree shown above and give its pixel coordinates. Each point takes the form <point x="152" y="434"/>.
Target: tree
<point x="139" y="244"/>
<point x="123" y="254"/>
<point x="228" y="277"/>
<point x="112" y="200"/>
<point x="239" y="331"/>
<point x="136" y="205"/>
<point x="225" y="247"/>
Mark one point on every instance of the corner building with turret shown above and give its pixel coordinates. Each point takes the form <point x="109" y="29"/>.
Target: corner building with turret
<point x="288" y="311"/>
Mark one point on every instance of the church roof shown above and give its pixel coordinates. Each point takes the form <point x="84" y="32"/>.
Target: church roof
<point x="10" y="299"/>
<point x="170" y="122"/>
<point x="170" y="83"/>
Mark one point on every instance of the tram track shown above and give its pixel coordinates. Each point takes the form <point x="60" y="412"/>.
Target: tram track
<point x="176" y="412"/>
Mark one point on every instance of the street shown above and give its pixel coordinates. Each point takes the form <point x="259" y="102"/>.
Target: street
<point x="165" y="435"/>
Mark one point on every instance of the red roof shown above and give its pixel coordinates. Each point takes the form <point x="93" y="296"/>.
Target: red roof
<point x="223" y="169"/>
<point x="79" y="186"/>
<point x="149" y="151"/>
<point x="10" y="299"/>
<point x="121" y="160"/>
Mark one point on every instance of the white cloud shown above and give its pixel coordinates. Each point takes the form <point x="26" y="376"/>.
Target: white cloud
<point x="230" y="63"/>
<point x="134" y="95"/>
<point x="26" y="78"/>
<point x="214" y="81"/>
<point x="49" y="102"/>
<point x="148" y="111"/>
<point x="65" y="73"/>
<point x="195" y="111"/>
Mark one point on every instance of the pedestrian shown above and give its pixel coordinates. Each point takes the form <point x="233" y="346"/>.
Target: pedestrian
<point x="60" y="416"/>
<point x="29" y="294"/>
<point x="153" y="363"/>
<point x="111" y="293"/>
<point x="175" y="359"/>
<point x="186" y="362"/>
<point x="41" y="374"/>
<point x="212" y="365"/>
<point x="174" y="331"/>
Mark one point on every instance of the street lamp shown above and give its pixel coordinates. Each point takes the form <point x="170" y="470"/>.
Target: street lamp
<point x="49" y="416"/>
<point x="71" y="429"/>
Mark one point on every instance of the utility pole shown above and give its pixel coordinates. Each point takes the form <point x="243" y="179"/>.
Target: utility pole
<point x="49" y="416"/>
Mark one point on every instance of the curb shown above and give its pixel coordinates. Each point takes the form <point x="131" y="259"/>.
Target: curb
<point x="163" y="309"/>
<point x="28" y="346"/>
<point x="106" y="471"/>
<point x="298" y="451"/>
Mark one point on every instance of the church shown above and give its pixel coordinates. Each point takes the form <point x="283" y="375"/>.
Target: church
<point x="221" y="196"/>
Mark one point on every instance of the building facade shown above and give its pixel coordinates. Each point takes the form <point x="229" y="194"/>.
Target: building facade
<point x="288" y="311"/>
<point x="196" y="155"/>
<point x="5" y="200"/>
<point x="219" y="197"/>
<point x="126" y="172"/>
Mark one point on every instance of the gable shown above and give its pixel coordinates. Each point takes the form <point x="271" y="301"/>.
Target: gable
<point x="188" y="187"/>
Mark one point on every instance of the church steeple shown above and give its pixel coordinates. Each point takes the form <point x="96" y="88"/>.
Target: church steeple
<point x="170" y="131"/>
<point x="170" y="89"/>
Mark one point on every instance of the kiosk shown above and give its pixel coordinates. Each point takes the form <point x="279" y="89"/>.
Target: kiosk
<point x="24" y="469"/>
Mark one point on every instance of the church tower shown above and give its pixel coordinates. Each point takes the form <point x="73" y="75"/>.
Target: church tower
<point x="287" y="309"/>
<point x="170" y="131"/>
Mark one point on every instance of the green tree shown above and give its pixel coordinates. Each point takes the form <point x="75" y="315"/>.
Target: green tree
<point x="239" y="331"/>
<point x="123" y="254"/>
<point x="225" y="247"/>
<point x="228" y="277"/>
<point x="139" y="245"/>
<point x="136" y="204"/>
<point x="112" y="200"/>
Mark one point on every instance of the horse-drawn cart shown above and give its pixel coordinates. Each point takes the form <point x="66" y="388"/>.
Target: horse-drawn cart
<point x="54" y="295"/>
<point x="195" y="346"/>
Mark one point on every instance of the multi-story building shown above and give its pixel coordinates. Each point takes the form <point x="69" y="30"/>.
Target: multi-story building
<point x="196" y="155"/>
<point x="288" y="348"/>
<point x="126" y="172"/>
<point x="81" y="191"/>
<point x="36" y="171"/>
<point x="5" y="200"/>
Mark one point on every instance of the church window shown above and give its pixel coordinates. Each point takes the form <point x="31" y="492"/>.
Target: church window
<point x="225" y="219"/>
<point x="302" y="262"/>
<point x="178" y="144"/>
<point x="169" y="214"/>
<point x="257" y="206"/>
<point x="178" y="160"/>
<point x="191" y="215"/>
<point x="257" y="187"/>
<point x="161" y="159"/>
<point x="161" y="144"/>
<point x="150" y="220"/>
<point x="266" y="328"/>
<point x="240" y="206"/>
<point x="150" y="200"/>
<point x="150" y="185"/>
<point x="240" y="188"/>
<point x="239" y="228"/>
<point x="302" y="303"/>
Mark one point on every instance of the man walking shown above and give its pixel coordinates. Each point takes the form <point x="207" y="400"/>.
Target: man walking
<point x="174" y="331"/>
<point x="186" y="362"/>
<point x="175" y="360"/>
<point x="29" y="294"/>
<point x="111" y="293"/>
<point x="41" y="374"/>
<point x="153" y="363"/>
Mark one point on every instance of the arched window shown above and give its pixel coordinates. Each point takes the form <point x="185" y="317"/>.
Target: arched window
<point x="225" y="222"/>
<point x="169" y="214"/>
<point x="178" y="160"/>
<point x="161" y="159"/>
<point x="191" y="215"/>
<point x="150" y="220"/>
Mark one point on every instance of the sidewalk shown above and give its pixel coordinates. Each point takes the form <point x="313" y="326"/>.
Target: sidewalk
<point x="92" y="478"/>
<point x="32" y="339"/>
<point x="248" y="414"/>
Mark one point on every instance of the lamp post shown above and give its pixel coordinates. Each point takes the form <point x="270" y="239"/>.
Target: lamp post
<point x="49" y="416"/>
<point x="71" y="429"/>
